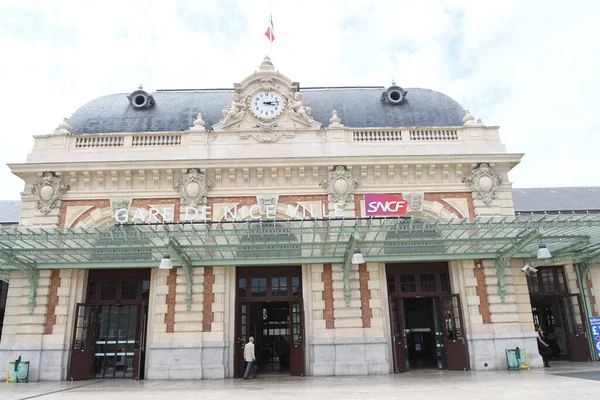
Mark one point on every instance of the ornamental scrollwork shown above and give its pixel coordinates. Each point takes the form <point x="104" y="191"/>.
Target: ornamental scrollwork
<point x="193" y="188"/>
<point x="48" y="192"/>
<point x="340" y="185"/>
<point x="484" y="182"/>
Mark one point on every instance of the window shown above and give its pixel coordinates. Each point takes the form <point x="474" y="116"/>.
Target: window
<point x="145" y="290"/>
<point x="108" y="286"/>
<point x="427" y="282"/>
<point x="258" y="287"/>
<point x="242" y="287"/>
<point x="548" y="280"/>
<point x="129" y="290"/>
<point x="533" y="285"/>
<point x="108" y="290"/>
<point x="418" y="279"/>
<point x="391" y="283"/>
<point x="92" y="291"/>
<point x="407" y="283"/>
<point x="444" y="282"/>
<point x="295" y="286"/>
<point x="279" y="286"/>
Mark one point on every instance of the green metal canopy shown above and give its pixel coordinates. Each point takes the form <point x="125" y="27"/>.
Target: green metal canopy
<point x="281" y="242"/>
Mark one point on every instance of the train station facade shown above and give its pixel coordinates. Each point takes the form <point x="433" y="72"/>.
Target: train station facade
<point x="351" y="231"/>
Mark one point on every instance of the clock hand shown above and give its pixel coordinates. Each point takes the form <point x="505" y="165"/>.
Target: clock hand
<point x="268" y="102"/>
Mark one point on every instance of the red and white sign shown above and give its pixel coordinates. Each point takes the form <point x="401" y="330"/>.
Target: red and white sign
<point x="377" y="204"/>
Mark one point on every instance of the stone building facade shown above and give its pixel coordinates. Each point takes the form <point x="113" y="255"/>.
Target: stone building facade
<point x="300" y="154"/>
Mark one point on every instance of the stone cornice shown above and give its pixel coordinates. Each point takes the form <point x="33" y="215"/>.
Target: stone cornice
<point x="510" y="159"/>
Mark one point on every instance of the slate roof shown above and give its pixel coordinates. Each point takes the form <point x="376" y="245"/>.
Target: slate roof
<point x="9" y="211"/>
<point x="564" y="199"/>
<point x="176" y="110"/>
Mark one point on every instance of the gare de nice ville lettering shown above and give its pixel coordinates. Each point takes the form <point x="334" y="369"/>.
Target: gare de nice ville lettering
<point x="377" y="205"/>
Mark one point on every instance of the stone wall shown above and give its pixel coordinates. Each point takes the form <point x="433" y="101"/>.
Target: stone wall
<point x="187" y="344"/>
<point x="25" y="334"/>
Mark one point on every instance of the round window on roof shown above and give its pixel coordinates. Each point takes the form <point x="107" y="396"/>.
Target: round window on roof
<point x="140" y="99"/>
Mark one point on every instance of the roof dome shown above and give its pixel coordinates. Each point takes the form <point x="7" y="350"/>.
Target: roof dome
<point x="357" y="107"/>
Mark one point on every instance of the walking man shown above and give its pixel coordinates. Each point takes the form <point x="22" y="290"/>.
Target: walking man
<point x="250" y="359"/>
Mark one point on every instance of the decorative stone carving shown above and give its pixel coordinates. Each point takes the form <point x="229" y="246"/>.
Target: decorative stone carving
<point x="340" y="185"/>
<point x="118" y="205"/>
<point x="415" y="201"/>
<point x="267" y="134"/>
<point x="335" y="121"/>
<point x="193" y="188"/>
<point x="266" y="83"/>
<point x="299" y="110"/>
<point x="483" y="182"/>
<point x="266" y="65"/>
<point x="235" y="110"/>
<point x="199" y="124"/>
<point x="63" y="127"/>
<point x="48" y="192"/>
<point x="468" y="118"/>
<point x="266" y="126"/>
<point x="267" y="201"/>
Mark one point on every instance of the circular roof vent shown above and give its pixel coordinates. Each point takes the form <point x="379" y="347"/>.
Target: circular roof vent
<point x="140" y="99"/>
<point x="394" y="94"/>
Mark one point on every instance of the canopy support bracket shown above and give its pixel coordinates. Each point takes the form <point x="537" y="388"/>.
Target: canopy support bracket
<point x="503" y="259"/>
<point x="31" y="273"/>
<point x="347" y="263"/>
<point x="186" y="264"/>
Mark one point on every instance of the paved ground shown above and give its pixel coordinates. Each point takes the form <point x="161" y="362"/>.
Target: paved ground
<point x="567" y="381"/>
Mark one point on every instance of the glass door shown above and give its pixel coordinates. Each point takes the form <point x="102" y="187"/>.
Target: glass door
<point x="241" y="337"/>
<point x="82" y="349"/>
<point x="297" y="338"/>
<point x="573" y="321"/>
<point x="399" y="346"/>
<point x="454" y="337"/>
<point x="117" y="341"/>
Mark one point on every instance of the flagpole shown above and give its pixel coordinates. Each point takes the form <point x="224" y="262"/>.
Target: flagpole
<point x="271" y="32"/>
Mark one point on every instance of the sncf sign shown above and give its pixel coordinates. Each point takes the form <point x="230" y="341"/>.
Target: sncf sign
<point x="377" y="204"/>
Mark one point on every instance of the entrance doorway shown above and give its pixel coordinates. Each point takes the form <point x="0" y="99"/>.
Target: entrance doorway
<point x="110" y="327"/>
<point x="269" y="308"/>
<point x="559" y="313"/>
<point x="426" y="320"/>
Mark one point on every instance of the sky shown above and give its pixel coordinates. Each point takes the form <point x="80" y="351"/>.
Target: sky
<point x="530" y="67"/>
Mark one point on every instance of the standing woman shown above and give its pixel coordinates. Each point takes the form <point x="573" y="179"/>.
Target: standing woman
<point x="543" y="347"/>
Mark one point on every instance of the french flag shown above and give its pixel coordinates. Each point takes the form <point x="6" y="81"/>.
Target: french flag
<point x="270" y="33"/>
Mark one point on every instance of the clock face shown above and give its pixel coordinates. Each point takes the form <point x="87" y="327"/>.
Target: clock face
<point x="266" y="105"/>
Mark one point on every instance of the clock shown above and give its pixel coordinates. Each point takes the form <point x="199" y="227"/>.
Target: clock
<point x="266" y="105"/>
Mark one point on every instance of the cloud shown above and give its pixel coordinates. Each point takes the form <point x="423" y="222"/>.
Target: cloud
<point x="529" y="67"/>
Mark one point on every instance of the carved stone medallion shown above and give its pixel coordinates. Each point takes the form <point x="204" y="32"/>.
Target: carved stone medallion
<point x="119" y="205"/>
<point x="484" y="182"/>
<point x="267" y="201"/>
<point x="340" y="185"/>
<point x="193" y="188"/>
<point x="415" y="201"/>
<point x="48" y="192"/>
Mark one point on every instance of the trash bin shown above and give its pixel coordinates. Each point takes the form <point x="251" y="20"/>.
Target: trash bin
<point x="516" y="359"/>
<point x="17" y="371"/>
